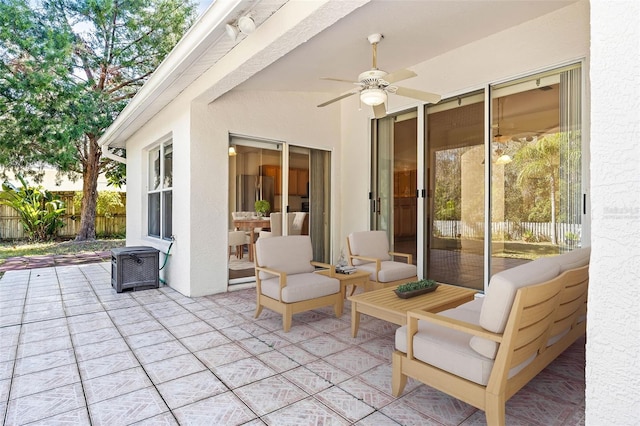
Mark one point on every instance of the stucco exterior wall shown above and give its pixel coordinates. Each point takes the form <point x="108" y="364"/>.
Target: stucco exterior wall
<point x="613" y="318"/>
<point x="288" y="117"/>
<point x="172" y="122"/>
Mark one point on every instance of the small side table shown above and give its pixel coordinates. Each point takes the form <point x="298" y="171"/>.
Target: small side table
<point x="355" y="279"/>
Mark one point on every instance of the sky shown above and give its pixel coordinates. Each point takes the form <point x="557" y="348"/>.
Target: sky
<point x="202" y="5"/>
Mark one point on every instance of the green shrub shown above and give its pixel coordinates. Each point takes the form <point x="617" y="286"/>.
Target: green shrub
<point x="40" y="211"/>
<point x="108" y="203"/>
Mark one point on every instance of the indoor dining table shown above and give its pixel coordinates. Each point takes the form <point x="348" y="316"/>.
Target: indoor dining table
<point x="251" y="224"/>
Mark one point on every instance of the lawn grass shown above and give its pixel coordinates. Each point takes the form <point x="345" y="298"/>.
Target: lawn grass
<point x="10" y="249"/>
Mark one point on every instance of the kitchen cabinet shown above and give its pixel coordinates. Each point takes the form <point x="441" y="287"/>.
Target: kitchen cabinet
<point x="302" y="182"/>
<point x="298" y="179"/>
<point x="274" y="172"/>
<point x="405" y="212"/>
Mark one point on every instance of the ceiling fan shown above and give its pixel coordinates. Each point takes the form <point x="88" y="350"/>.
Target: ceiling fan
<point x="375" y="84"/>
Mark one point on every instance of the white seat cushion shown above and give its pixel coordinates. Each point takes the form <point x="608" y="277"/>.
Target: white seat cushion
<point x="369" y="244"/>
<point x="389" y="271"/>
<point x="301" y="287"/>
<point x="448" y="349"/>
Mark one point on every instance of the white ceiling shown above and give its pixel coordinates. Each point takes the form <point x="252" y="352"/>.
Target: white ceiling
<point x="414" y="31"/>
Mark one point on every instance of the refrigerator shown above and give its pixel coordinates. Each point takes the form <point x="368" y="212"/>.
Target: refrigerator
<point x="250" y="188"/>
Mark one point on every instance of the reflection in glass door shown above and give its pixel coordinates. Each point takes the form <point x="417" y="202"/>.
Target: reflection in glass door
<point x="536" y="167"/>
<point x="254" y="174"/>
<point x="455" y="231"/>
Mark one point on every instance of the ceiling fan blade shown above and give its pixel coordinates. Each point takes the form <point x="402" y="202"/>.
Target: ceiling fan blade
<point x="339" y="79"/>
<point x="399" y="76"/>
<point x="379" y="111"/>
<point x="432" y="98"/>
<point x="344" y="95"/>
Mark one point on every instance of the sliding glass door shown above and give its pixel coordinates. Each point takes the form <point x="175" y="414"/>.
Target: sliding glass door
<point x="394" y="195"/>
<point x="536" y="195"/>
<point x="456" y="169"/>
<point x="294" y="181"/>
<point x="502" y="174"/>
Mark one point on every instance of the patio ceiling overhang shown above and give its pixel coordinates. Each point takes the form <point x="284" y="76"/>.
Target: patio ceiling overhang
<point x="291" y="49"/>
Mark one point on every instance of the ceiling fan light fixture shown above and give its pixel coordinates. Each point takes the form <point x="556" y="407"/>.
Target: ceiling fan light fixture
<point x="373" y="97"/>
<point x="504" y="159"/>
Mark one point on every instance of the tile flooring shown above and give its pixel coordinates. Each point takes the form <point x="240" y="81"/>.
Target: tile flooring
<point x="75" y="352"/>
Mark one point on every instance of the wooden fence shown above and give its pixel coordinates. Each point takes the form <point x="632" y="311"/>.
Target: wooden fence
<point x="11" y="229"/>
<point x="532" y="231"/>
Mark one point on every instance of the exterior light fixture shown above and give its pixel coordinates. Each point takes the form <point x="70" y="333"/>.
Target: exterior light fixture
<point x="232" y="32"/>
<point x="232" y="151"/>
<point x="373" y="97"/>
<point x="246" y="24"/>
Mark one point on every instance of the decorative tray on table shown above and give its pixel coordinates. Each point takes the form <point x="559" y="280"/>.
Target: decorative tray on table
<point x="416" y="288"/>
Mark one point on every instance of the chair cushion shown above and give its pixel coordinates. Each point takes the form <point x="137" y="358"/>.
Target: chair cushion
<point x="389" y="271"/>
<point x="301" y="287"/>
<point x="369" y="244"/>
<point x="573" y="259"/>
<point x="292" y="255"/>
<point x="448" y="349"/>
<point x="504" y="285"/>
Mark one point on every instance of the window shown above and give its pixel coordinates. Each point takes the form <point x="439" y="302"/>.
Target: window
<point x="159" y="196"/>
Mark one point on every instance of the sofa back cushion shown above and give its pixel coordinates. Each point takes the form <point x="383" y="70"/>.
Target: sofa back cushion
<point x="292" y="254"/>
<point x="369" y="244"/>
<point x="573" y="259"/>
<point x="504" y="285"/>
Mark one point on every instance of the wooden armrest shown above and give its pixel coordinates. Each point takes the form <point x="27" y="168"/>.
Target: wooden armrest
<point x="331" y="268"/>
<point x="368" y="259"/>
<point x="454" y="324"/>
<point x="270" y="271"/>
<point x="408" y="256"/>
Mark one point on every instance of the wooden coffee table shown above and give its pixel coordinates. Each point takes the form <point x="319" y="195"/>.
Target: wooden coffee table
<point x="384" y="303"/>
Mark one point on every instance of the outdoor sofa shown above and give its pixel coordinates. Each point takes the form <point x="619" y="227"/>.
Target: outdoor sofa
<point x="484" y="351"/>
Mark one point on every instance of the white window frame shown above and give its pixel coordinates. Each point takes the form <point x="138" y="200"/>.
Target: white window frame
<point x="162" y="189"/>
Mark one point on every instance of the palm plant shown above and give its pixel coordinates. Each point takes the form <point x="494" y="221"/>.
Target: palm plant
<point x="540" y="161"/>
<point x="40" y="211"/>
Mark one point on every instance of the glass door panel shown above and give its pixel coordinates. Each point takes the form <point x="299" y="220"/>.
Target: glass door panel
<point x="405" y="184"/>
<point x="254" y="174"/>
<point x="455" y="231"/>
<point x="394" y="206"/>
<point x="536" y="168"/>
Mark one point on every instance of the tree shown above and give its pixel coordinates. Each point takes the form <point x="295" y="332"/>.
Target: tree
<point x="68" y="68"/>
<point x="539" y="161"/>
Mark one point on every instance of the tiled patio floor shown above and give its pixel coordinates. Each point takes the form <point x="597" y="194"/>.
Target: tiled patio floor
<point x="73" y="351"/>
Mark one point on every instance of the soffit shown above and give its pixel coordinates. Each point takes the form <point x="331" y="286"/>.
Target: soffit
<point x="414" y="31"/>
